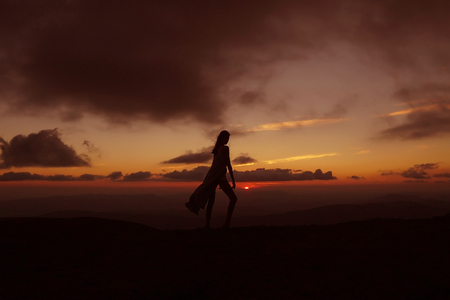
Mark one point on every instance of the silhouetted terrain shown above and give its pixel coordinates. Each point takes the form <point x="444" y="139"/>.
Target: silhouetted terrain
<point x="251" y="202"/>
<point x="91" y="258"/>
<point x="107" y="203"/>
<point x="255" y="209"/>
<point x="333" y="214"/>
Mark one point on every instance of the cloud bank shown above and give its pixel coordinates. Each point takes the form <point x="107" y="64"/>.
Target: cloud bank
<point x="355" y="177"/>
<point x="244" y="159"/>
<point x="196" y="174"/>
<point x="42" y="149"/>
<point x="115" y="175"/>
<point x="418" y="172"/>
<point x="442" y="175"/>
<point x="262" y="174"/>
<point x="164" y="60"/>
<point x="138" y="176"/>
<point x="428" y="114"/>
<point x="203" y="156"/>
<point x="21" y="176"/>
<point x="387" y="173"/>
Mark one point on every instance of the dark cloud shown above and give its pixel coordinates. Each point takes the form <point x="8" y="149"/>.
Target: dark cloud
<point x="203" y="156"/>
<point x="355" y="177"/>
<point x="154" y="60"/>
<point x="196" y="174"/>
<point x="416" y="181"/>
<point x="90" y="177"/>
<point x="319" y="175"/>
<point x="442" y="175"/>
<point x="165" y="60"/>
<point x="244" y="159"/>
<point x="440" y="181"/>
<point x="262" y="174"/>
<point x="138" y="176"/>
<point x="341" y="108"/>
<point x="427" y="93"/>
<point x="428" y="166"/>
<point x="60" y="177"/>
<point x="387" y="173"/>
<point x="430" y="116"/>
<point x="402" y="35"/>
<point x="115" y="175"/>
<point x="20" y="176"/>
<point x="42" y="149"/>
<point x="421" y="124"/>
<point x="419" y="171"/>
<point x="413" y="173"/>
<point x="199" y="173"/>
<point x="252" y="98"/>
<point x="91" y="148"/>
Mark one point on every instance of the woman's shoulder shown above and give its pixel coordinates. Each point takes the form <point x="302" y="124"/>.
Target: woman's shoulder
<point x="224" y="149"/>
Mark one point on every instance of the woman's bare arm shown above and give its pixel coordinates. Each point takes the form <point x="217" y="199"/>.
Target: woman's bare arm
<point x="230" y="168"/>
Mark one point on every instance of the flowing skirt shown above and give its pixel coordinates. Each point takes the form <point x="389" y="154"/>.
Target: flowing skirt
<point x="203" y="192"/>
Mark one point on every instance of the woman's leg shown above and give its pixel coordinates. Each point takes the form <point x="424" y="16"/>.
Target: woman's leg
<point x="225" y="186"/>
<point x="209" y="207"/>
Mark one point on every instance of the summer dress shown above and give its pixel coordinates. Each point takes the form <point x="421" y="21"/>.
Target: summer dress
<point x="216" y="173"/>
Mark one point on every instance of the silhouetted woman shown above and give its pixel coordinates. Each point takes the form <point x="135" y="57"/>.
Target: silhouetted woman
<point x="216" y="176"/>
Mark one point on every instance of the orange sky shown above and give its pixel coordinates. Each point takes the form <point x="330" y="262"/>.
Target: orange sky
<point x="358" y="88"/>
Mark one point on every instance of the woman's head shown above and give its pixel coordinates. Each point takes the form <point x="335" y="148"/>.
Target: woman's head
<point x="222" y="139"/>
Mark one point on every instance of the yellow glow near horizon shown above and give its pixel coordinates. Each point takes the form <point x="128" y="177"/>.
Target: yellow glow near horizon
<point x="415" y="109"/>
<point x="294" y="124"/>
<point x="295" y="158"/>
<point x="363" y="152"/>
<point x="243" y="165"/>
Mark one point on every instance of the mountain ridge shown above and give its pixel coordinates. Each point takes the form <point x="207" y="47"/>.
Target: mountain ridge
<point x="169" y="213"/>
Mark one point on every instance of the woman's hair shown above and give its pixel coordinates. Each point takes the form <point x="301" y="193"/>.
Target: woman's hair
<point x="221" y="140"/>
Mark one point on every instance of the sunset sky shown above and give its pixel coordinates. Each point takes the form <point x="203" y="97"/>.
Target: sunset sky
<point x="137" y="91"/>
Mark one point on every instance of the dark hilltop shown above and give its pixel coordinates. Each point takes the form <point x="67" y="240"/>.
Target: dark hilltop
<point x="94" y="258"/>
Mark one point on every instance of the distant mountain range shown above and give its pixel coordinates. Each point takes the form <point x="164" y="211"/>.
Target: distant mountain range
<point x="146" y="203"/>
<point x="169" y="213"/>
<point x="333" y="214"/>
